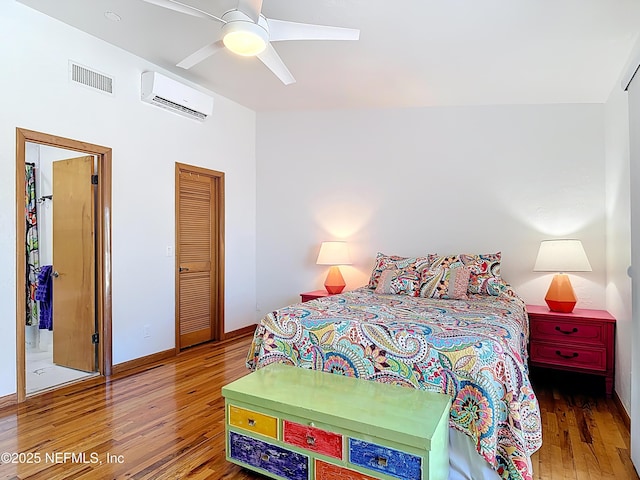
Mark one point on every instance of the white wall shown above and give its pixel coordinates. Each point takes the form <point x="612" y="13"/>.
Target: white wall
<point x="413" y="181"/>
<point x="619" y="236"/>
<point x="146" y="142"/>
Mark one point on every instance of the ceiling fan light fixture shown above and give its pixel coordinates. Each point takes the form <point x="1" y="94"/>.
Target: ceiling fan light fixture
<point x="245" y="38"/>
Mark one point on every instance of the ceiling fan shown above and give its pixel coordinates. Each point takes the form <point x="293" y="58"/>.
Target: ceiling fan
<point x="245" y="31"/>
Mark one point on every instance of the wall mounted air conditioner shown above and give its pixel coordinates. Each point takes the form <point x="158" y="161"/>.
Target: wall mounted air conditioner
<point x="160" y="90"/>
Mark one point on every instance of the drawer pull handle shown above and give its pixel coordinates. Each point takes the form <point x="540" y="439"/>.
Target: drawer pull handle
<point x="311" y="440"/>
<point x="251" y="422"/>
<point x="382" y="462"/>
<point x="573" y="355"/>
<point x="264" y="457"/>
<point x="567" y="332"/>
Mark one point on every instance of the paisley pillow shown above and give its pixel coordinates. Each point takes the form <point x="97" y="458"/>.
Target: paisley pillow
<point x="484" y="268"/>
<point x="394" y="262"/>
<point x="399" y="282"/>
<point x="445" y="282"/>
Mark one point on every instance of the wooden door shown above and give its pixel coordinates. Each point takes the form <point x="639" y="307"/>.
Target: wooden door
<point x="198" y="254"/>
<point x="74" y="318"/>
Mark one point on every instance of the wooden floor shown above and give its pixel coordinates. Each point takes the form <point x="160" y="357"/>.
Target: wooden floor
<point x="168" y="423"/>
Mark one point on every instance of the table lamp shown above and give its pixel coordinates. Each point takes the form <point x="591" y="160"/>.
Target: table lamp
<point x="560" y="256"/>
<point x="334" y="254"/>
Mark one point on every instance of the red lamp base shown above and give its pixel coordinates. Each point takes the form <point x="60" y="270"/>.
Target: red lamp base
<point x="334" y="282"/>
<point x="560" y="296"/>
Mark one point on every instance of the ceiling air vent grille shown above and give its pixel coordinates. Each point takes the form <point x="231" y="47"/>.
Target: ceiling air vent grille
<point x="90" y="78"/>
<point x="177" y="106"/>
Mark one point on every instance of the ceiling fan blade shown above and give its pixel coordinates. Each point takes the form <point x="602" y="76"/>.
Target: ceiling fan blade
<point x="184" y="8"/>
<point x="274" y="63"/>
<point x="285" y="30"/>
<point x="251" y="8"/>
<point x="199" y="55"/>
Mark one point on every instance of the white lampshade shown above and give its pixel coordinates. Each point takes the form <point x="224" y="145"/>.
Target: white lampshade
<point x="562" y="255"/>
<point x="334" y="253"/>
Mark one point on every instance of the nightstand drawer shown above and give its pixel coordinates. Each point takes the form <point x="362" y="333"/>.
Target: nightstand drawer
<point x="567" y="331"/>
<point x="589" y="358"/>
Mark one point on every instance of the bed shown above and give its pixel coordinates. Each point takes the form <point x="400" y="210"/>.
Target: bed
<point x="448" y="324"/>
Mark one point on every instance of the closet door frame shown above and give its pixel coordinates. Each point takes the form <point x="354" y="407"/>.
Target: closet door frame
<point x="103" y="249"/>
<point x="216" y="307"/>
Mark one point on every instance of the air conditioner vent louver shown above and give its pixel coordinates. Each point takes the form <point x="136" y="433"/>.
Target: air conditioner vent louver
<point x="175" y="96"/>
<point x="176" y="106"/>
<point x="90" y="78"/>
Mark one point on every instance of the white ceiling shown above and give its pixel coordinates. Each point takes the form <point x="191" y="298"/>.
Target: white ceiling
<point x="410" y="52"/>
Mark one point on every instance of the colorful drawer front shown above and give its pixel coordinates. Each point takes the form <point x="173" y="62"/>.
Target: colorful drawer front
<point x="567" y="331"/>
<point x="329" y="471"/>
<point x="312" y="438"/>
<point x="385" y="460"/>
<point x="253" y="421"/>
<point x="273" y="459"/>
<point x="570" y="356"/>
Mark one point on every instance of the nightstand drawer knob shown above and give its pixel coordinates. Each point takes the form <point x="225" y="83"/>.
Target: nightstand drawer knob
<point x="567" y="332"/>
<point x="573" y="355"/>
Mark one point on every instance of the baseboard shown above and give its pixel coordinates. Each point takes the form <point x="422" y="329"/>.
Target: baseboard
<point x="241" y="332"/>
<point x="142" y="362"/>
<point x="8" y="400"/>
<point x="626" y="419"/>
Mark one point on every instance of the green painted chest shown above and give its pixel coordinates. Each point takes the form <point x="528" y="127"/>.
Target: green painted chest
<point x="297" y="424"/>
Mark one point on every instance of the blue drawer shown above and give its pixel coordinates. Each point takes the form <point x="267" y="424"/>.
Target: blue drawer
<point x="386" y="460"/>
<point x="271" y="458"/>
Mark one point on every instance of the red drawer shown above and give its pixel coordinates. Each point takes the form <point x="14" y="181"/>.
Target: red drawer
<point x="588" y="358"/>
<point x="567" y="331"/>
<point x="313" y="438"/>
<point x="328" y="471"/>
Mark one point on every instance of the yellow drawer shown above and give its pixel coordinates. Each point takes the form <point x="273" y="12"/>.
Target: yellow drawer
<point x="253" y="421"/>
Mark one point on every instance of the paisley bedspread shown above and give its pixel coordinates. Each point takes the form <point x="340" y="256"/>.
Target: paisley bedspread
<point x="474" y="350"/>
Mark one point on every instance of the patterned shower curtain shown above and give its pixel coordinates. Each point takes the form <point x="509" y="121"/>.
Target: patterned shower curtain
<point x="31" y="244"/>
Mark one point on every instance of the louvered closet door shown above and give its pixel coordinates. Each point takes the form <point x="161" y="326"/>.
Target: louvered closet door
<point x="196" y="257"/>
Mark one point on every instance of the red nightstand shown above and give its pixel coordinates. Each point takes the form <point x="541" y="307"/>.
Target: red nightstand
<point x="581" y="341"/>
<point x="313" y="295"/>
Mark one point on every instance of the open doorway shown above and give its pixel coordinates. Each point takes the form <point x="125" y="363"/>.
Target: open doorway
<point x="63" y="246"/>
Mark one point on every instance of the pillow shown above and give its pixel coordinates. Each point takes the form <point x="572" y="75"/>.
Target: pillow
<point x="484" y="278"/>
<point x="394" y="262"/>
<point x="399" y="282"/>
<point x="445" y="282"/>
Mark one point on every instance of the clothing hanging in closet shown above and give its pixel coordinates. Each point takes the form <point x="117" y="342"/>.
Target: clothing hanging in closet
<point x="31" y="244"/>
<point x="44" y="294"/>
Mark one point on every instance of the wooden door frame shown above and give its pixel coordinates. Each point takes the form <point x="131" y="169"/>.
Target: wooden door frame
<point x="218" y="264"/>
<point x="103" y="247"/>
